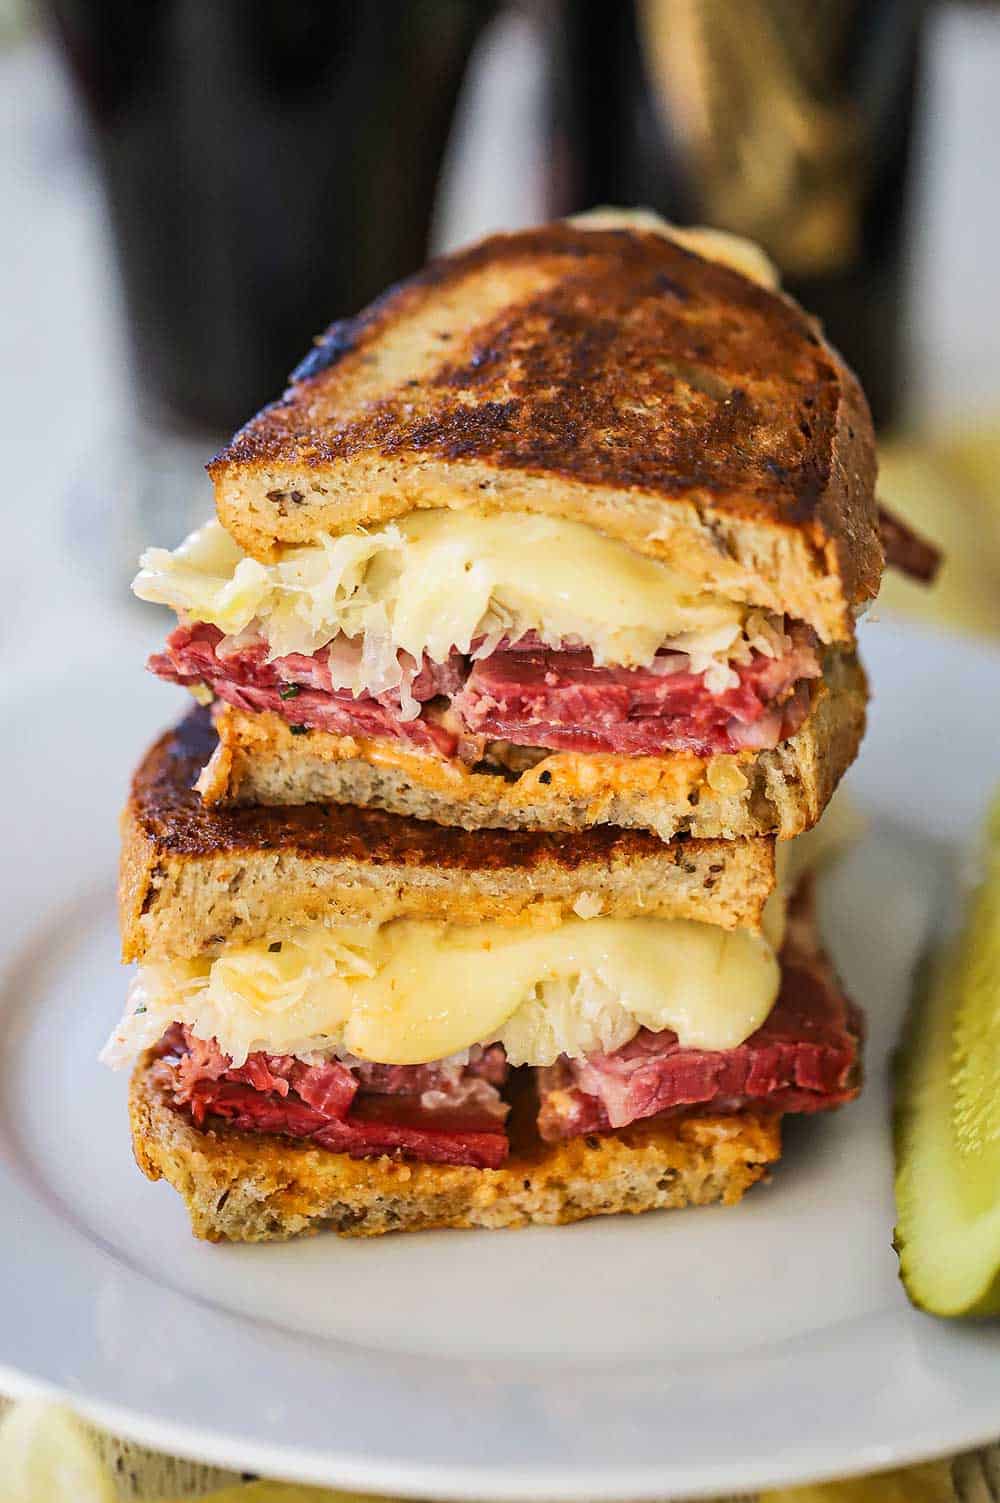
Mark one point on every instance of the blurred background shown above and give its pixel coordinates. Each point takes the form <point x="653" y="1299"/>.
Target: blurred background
<point x="193" y="188"/>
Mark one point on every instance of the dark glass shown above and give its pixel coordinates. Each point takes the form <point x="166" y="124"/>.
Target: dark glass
<point x="269" y="165"/>
<point x="692" y="126"/>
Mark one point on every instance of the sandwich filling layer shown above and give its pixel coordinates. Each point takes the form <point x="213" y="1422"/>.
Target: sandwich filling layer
<point x="468" y="634"/>
<point x="776" y="1036"/>
<point x="416" y="991"/>
<point x="804" y="1057"/>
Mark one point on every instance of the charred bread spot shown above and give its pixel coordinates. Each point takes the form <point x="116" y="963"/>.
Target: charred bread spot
<point x="155" y="882"/>
<point x="662" y="283"/>
<point x="331" y="347"/>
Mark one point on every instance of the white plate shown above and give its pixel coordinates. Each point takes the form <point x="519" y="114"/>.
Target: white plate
<point x="666" y="1355"/>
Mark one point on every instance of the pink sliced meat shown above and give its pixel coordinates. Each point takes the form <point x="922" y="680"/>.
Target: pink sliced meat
<point x="487" y="1065"/>
<point x="522" y="693"/>
<point x="561" y="700"/>
<point x="443" y="1112"/>
<point x="199" y="1065"/>
<point x="804" y="1058"/>
<point x="197" y="1060"/>
<point x="397" y="1125"/>
<point x="300" y="690"/>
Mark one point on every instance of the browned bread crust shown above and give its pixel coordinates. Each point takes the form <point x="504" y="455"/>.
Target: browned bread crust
<point x="906" y="550"/>
<point x="245" y="1188"/>
<point x="749" y="794"/>
<point x="608" y="375"/>
<point x="193" y="876"/>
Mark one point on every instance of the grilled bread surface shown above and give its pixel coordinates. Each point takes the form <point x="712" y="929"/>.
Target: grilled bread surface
<point x="607" y="375"/>
<point x="193" y="876"/>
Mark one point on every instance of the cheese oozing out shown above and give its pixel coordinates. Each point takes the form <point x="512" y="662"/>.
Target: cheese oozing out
<point x="441" y="579"/>
<point x="734" y="251"/>
<point x="413" y="991"/>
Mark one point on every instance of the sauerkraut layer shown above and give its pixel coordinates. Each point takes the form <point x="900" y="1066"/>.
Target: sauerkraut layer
<point x="441" y="581"/>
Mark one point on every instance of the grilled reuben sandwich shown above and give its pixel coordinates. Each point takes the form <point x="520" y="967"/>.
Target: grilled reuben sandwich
<point x="524" y="632"/>
<point x="574" y="527"/>
<point x="347" y="1018"/>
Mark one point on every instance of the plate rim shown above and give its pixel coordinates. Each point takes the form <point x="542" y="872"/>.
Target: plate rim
<point x="427" y="1482"/>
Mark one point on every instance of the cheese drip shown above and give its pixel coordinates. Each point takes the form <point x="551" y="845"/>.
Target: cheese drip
<point x="439" y="579"/>
<point x="413" y="990"/>
<point x="734" y="251"/>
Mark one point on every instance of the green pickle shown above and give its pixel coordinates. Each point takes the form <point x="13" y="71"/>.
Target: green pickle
<point x="948" y="1116"/>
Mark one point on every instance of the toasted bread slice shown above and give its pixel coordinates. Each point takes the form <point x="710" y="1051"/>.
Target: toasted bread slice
<point x="192" y="877"/>
<point x="245" y="1188"/>
<point x="745" y="794"/>
<point x="607" y="375"/>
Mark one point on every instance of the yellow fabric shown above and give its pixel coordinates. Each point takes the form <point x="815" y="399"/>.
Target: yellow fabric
<point x="48" y="1456"/>
<point x="280" y="1492"/>
<point x="917" y="1484"/>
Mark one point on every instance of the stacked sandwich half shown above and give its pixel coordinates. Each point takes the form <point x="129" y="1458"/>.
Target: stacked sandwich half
<point x="526" y="627"/>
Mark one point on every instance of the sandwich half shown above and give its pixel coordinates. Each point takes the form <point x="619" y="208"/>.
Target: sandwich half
<point x="574" y="527"/>
<point x="343" y="1018"/>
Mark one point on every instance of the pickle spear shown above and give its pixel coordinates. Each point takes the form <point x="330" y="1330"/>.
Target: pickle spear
<point x="948" y="1116"/>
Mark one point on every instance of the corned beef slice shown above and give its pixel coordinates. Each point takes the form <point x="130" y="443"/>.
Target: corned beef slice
<point x="560" y="700"/>
<point x="298" y="688"/>
<point x="441" y="1113"/>
<point x="804" y="1058"/>
<point x="522" y="693"/>
<point x="396" y="1125"/>
<point x="328" y="1087"/>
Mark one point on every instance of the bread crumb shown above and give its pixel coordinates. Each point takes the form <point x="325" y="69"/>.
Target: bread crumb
<point x="588" y="905"/>
<point x="723" y="776"/>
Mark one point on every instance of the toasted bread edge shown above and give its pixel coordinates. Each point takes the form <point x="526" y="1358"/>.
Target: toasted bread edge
<point x="750" y="795"/>
<point x="244" y="1188"/>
